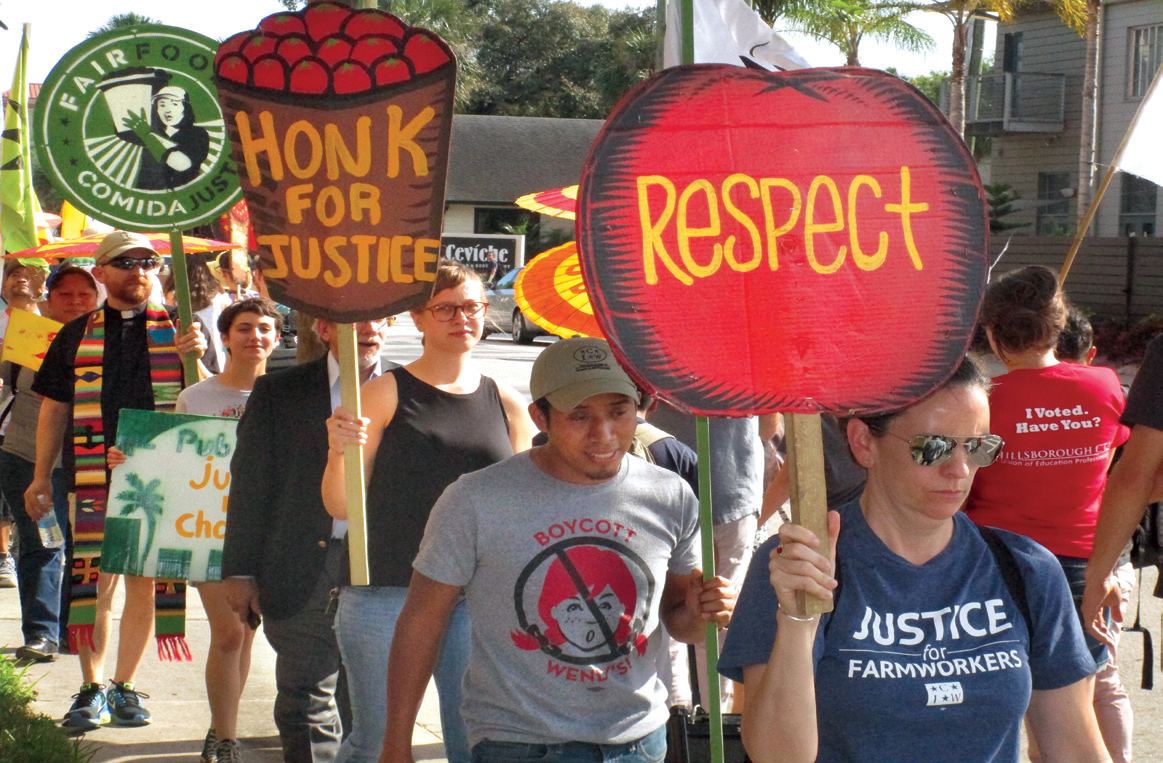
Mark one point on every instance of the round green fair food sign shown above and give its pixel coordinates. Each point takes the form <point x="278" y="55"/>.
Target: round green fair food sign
<point x="128" y="128"/>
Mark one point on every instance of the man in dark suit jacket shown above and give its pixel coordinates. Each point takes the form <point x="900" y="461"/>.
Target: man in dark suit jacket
<point x="283" y="554"/>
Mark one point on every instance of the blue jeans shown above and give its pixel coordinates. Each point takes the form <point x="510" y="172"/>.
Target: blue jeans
<point x="364" y="626"/>
<point x="39" y="570"/>
<point x="649" y="749"/>
<point x="1075" y="570"/>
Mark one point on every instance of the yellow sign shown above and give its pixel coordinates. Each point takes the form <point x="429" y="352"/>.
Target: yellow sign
<point x="28" y="338"/>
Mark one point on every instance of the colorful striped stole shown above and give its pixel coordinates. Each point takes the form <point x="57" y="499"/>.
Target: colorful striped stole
<point x="92" y="486"/>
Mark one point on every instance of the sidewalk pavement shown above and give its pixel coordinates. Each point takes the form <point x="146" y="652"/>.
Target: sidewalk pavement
<point x="178" y="698"/>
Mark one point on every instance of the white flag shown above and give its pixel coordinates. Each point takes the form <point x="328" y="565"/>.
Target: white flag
<point x="1141" y="153"/>
<point x="728" y="32"/>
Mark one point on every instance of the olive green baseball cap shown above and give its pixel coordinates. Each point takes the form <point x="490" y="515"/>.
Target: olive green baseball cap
<point x="569" y="371"/>
<point x="119" y="242"/>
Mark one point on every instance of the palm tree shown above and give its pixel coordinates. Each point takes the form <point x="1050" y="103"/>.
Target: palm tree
<point x="963" y="12"/>
<point x="845" y="23"/>
<point x="144" y="498"/>
<point x="123" y="21"/>
<point x="1089" y="105"/>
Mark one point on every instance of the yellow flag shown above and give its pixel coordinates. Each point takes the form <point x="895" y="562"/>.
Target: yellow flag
<point x="17" y="207"/>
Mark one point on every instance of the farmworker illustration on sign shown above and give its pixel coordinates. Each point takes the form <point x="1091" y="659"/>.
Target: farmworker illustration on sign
<point x="168" y="146"/>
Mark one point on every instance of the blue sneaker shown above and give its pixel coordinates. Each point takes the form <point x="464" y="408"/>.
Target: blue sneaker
<point x="90" y="709"/>
<point x="125" y="705"/>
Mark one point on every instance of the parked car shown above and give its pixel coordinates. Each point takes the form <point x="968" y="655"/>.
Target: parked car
<point x="504" y="316"/>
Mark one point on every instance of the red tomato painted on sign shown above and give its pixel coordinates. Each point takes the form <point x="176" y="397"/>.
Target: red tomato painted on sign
<point x="798" y="241"/>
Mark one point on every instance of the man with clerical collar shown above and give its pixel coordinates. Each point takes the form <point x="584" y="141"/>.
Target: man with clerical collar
<point x="127" y="354"/>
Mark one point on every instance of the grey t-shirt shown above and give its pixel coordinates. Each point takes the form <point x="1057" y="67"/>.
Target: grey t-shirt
<point x="547" y="666"/>
<point x="210" y="397"/>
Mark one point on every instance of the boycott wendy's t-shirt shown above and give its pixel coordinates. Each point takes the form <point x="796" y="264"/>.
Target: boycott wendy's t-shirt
<point x="1059" y="425"/>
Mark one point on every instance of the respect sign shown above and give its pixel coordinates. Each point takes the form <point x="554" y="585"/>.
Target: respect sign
<point x="826" y="229"/>
<point x="340" y="122"/>
<point x="166" y="514"/>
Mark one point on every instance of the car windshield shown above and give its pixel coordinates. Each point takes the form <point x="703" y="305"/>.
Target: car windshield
<point x="509" y="279"/>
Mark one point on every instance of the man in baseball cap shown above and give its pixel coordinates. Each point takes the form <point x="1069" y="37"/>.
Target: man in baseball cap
<point x="569" y="556"/>
<point x="126" y="354"/>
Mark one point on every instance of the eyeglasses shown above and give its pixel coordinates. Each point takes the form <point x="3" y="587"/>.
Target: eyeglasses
<point x="932" y="449"/>
<point x="446" y="311"/>
<point x="129" y="263"/>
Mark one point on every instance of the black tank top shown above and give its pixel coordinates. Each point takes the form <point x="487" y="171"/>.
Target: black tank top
<point x="433" y="438"/>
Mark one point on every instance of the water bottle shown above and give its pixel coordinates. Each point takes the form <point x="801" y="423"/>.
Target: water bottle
<point x="48" y="527"/>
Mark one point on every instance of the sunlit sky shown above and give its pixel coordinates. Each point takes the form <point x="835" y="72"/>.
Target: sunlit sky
<point x="57" y="27"/>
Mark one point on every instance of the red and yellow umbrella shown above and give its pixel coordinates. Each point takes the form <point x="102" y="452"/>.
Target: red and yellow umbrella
<point x="561" y="202"/>
<point x="551" y="293"/>
<point x="85" y="246"/>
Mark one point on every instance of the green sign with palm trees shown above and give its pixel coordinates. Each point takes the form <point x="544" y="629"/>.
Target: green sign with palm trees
<point x="167" y="506"/>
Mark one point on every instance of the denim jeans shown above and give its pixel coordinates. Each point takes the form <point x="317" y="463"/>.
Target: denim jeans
<point x="39" y="570"/>
<point x="364" y="626"/>
<point x="649" y="749"/>
<point x="1075" y="570"/>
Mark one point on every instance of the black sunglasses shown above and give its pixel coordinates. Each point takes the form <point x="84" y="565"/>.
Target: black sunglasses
<point x="129" y="263"/>
<point x="932" y="449"/>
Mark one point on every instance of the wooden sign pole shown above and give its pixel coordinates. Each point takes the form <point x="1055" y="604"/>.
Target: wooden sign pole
<point x="353" y="457"/>
<point x="809" y="495"/>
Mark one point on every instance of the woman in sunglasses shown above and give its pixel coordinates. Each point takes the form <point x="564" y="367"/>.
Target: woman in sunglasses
<point x="943" y="635"/>
<point x="426" y="424"/>
<point x="1061" y="425"/>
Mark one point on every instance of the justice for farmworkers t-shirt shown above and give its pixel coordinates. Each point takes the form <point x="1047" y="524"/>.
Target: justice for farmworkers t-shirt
<point x="563" y="584"/>
<point x="928" y="663"/>
<point x="1059" y="425"/>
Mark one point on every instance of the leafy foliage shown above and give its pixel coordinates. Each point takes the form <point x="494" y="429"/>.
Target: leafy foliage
<point x="559" y="59"/>
<point x="27" y="736"/>
<point x="123" y="21"/>
<point x="845" y="23"/>
<point x="1001" y="198"/>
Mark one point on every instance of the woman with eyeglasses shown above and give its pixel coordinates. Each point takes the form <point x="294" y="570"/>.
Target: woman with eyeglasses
<point x="1061" y="426"/>
<point x="943" y="634"/>
<point x="425" y="425"/>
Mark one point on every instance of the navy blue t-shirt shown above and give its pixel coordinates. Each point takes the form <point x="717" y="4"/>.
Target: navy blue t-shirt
<point x="928" y="662"/>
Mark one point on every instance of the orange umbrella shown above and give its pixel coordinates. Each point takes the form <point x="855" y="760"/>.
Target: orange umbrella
<point x="85" y="246"/>
<point x="561" y="202"/>
<point x="551" y="294"/>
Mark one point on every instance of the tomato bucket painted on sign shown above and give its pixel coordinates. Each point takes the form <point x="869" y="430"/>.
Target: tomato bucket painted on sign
<point x="340" y="122"/>
<point x="806" y="241"/>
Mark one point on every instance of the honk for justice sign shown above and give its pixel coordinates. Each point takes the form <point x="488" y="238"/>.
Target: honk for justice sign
<point x="166" y="516"/>
<point x="339" y="122"/>
<point x="799" y="241"/>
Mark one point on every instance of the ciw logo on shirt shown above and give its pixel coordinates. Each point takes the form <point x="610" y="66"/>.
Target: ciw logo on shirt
<point x="949" y="693"/>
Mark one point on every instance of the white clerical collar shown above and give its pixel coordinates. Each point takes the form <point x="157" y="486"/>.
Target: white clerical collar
<point x="130" y="314"/>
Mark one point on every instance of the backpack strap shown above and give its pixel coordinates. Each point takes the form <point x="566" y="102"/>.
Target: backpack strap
<point x="1010" y="574"/>
<point x="648" y="434"/>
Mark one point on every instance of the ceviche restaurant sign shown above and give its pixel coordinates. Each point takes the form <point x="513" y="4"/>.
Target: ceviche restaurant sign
<point x="166" y="516"/>
<point x="128" y="127"/>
